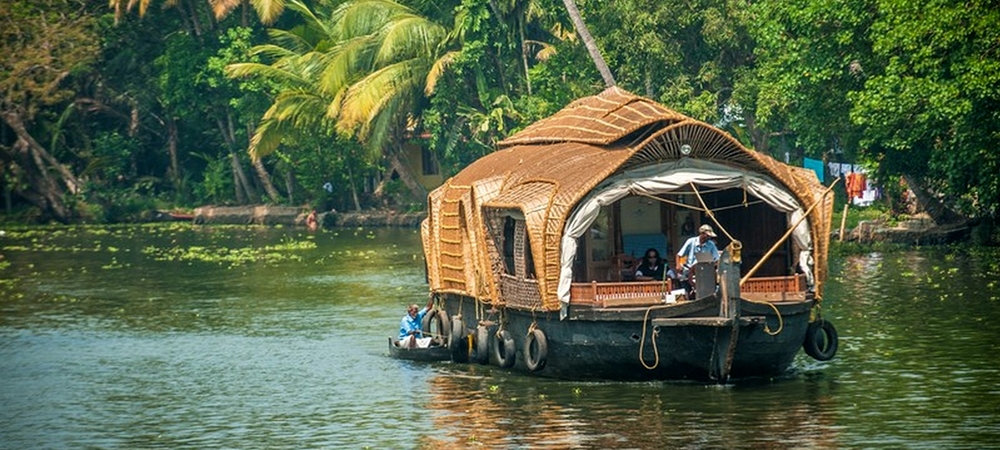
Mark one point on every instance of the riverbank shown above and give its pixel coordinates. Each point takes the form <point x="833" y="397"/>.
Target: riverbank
<point x="918" y="230"/>
<point x="294" y="216"/>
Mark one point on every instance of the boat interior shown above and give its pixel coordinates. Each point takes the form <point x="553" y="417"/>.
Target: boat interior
<point x="611" y="249"/>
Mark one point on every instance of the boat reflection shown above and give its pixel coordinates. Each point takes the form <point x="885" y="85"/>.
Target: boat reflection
<point x="492" y="409"/>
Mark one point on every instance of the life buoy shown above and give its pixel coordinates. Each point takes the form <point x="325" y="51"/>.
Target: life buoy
<point x="435" y="325"/>
<point x="457" y="343"/>
<point x="821" y="340"/>
<point x="536" y="350"/>
<point x="503" y="349"/>
<point x="482" y="355"/>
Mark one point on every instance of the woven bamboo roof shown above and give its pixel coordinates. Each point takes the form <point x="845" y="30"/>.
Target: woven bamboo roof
<point x="547" y="168"/>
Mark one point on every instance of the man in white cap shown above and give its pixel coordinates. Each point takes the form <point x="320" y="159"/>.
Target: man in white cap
<point x="702" y="243"/>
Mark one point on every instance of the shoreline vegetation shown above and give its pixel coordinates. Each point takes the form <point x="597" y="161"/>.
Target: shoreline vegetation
<point x="866" y="226"/>
<point x="112" y="110"/>
<point x="873" y="225"/>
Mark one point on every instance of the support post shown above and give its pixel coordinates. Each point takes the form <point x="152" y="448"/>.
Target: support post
<point x="843" y="221"/>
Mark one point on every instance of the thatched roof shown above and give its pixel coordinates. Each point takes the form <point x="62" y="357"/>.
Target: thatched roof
<point x="546" y="169"/>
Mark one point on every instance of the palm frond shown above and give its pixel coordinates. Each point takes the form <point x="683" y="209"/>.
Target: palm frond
<point x="273" y="51"/>
<point x="294" y="113"/>
<point x="290" y="41"/>
<point x="408" y="36"/>
<point x="268" y="10"/>
<point x="302" y="108"/>
<point x="266" y="138"/>
<point x="272" y="73"/>
<point x="365" y="98"/>
<point x="364" y="17"/>
<point x="348" y="59"/>
<point x="307" y="14"/>
<point x="222" y="8"/>
<point x="438" y="70"/>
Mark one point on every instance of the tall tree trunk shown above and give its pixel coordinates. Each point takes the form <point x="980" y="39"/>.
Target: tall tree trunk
<point x="240" y="183"/>
<point x="6" y="179"/>
<point x="939" y="212"/>
<point x="758" y="139"/>
<point x="38" y="168"/>
<point x="265" y="178"/>
<point x="397" y="163"/>
<point x="354" y="189"/>
<point x="174" y="173"/>
<point x="524" y="56"/>
<point x="44" y="191"/>
<point x="588" y="41"/>
<point x="38" y="152"/>
<point x="290" y="184"/>
<point x="133" y="119"/>
<point x="244" y="193"/>
<point x="195" y="24"/>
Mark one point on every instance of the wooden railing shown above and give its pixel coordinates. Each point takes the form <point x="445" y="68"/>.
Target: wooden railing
<point x="787" y="288"/>
<point x="620" y="294"/>
<point x="791" y="288"/>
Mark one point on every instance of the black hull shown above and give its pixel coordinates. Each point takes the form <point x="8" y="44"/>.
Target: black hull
<point x="434" y="353"/>
<point x="691" y="342"/>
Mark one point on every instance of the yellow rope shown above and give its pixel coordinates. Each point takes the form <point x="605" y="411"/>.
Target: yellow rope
<point x="533" y="326"/>
<point x="652" y="337"/>
<point x="787" y="233"/>
<point x="685" y="205"/>
<point x="709" y="213"/>
<point x="669" y="202"/>
<point x="781" y="321"/>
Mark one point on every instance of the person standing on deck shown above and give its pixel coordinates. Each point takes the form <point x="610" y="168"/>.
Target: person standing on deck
<point x="410" y="334"/>
<point x="686" y="257"/>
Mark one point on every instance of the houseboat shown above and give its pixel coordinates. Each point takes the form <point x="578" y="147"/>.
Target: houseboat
<point x="531" y="250"/>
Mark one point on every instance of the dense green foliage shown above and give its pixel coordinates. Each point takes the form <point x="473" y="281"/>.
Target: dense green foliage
<point x="110" y="112"/>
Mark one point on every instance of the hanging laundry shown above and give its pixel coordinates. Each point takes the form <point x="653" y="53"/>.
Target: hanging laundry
<point x="816" y="166"/>
<point x="856" y="183"/>
<point x="834" y="169"/>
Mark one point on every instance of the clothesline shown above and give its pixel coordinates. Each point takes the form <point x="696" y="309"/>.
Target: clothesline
<point x="860" y="190"/>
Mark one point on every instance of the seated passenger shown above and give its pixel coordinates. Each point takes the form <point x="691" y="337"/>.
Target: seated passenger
<point x="653" y="267"/>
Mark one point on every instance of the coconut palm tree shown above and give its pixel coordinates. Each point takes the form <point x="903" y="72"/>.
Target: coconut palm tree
<point x="369" y="71"/>
<point x="588" y="41"/>
<point x="268" y="11"/>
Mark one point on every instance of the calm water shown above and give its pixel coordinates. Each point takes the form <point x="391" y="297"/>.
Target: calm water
<point x="181" y="337"/>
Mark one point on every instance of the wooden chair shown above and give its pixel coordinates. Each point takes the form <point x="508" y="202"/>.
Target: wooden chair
<point x="624" y="267"/>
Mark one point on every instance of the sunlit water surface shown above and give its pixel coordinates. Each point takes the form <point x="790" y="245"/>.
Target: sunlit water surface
<point x="236" y="337"/>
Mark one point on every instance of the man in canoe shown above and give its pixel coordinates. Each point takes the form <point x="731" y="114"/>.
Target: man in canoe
<point x="410" y="334"/>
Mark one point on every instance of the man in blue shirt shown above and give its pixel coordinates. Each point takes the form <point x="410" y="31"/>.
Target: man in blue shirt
<point x="409" y="327"/>
<point x="702" y="243"/>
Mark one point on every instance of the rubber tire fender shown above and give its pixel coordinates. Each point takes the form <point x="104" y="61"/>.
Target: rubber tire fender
<point x="482" y="354"/>
<point x="821" y="340"/>
<point x="444" y="327"/>
<point x="503" y="349"/>
<point x="535" y="360"/>
<point x="457" y="344"/>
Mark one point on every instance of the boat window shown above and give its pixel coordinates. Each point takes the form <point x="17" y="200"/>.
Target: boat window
<point x="508" y="245"/>
<point x="529" y="259"/>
